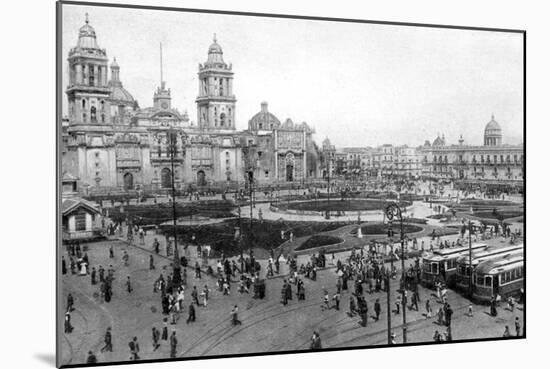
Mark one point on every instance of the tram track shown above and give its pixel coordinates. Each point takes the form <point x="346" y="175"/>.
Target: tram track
<point x="254" y="323"/>
<point x="209" y="334"/>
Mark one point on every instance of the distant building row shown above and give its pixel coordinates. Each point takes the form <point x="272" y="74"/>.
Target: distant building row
<point x="491" y="161"/>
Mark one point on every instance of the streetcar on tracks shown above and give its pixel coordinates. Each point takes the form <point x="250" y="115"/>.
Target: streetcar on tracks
<point x="502" y="276"/>
<point x="464" y="269"/>
<point x="441" y="265"/>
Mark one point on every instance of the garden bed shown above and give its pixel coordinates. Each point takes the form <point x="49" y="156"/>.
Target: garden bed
<point x="380" y="228"/>
<point x="340" y="205"/>
<point x="319" y="241"/>
<point x="499" y="214"/>
<point x="266" y="234"/>
<point x="160" y="213"/>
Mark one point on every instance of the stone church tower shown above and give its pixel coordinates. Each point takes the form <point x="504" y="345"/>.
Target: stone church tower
<point x="216" y="102"/>
<point x="88" y="89"/>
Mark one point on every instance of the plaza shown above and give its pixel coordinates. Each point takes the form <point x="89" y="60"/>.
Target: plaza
<point x="267" y="325"/>
<point x="235" y="240"/>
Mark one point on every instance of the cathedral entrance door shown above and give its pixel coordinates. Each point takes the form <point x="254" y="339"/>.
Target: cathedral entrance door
<point x="128" y="181"/>
<point x="166" y="178"/>
<point x="289" y="172"/>
<point x="201" y="178"/>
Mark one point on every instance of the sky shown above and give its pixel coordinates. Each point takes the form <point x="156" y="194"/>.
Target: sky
<point x="358" y="84"/>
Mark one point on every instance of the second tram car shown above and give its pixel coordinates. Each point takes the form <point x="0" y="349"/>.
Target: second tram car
<point x="464" y="273"/>
<point x="441" y="265"/>
<point x="502" y="276"/>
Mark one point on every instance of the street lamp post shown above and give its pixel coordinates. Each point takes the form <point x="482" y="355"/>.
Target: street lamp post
<point x="328" y="190"/>
<point x="394" y="211"/>
<point x="172" y="142"/>
<point x="251" y="193"/>
<point x="388" y="297"/>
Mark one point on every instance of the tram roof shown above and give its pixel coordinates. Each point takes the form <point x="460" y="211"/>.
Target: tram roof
<point x="490" y="253"/>
<point x="446" y="253"/>
<point x="500" y="264"/>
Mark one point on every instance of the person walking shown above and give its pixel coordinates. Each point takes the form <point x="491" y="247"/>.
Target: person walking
<point x="67" y="325"/>
<point x="517" y="326"/>
<point x="377" y="309"/>
<point x="234" y="316"/>
<point x="352" y="307"/>
<point x="191" y="317"/>
<point x="156" y="336"/>
<point x="506" y="332"/>
<point x="108" y="340"/>
<point x="129" y="285"/>
<point x="428" y="309"/>
<point x="316" y="341"/>
<point x="134" y="349"/>
<point x="151" y="262"/>
<point x="173" y="344"/>
<point x="70" y="302"/>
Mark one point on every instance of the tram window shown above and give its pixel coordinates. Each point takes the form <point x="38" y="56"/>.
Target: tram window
<point x="435" y="269"/>
<point x="488" y="281"/>
<point x="479" y="281"/>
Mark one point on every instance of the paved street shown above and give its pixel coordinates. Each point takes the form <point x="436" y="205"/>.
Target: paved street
<point x="267" y="325"/>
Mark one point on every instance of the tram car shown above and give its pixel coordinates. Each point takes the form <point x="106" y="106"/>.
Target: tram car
<point x="441" y="265"/>
<point x="502" y="276"/>
<point x="463" y="273"/>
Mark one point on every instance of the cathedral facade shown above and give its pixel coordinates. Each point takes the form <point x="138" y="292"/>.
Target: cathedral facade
<point x="110" y="142"/>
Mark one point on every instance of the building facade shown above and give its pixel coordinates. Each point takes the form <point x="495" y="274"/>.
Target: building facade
<point x="110" y="142"/>
<point x="491" y="162"/>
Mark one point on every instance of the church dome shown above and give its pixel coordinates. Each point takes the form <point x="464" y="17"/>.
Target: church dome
<point x="493" y="133"/>
<point x="215" y="54"/>
<point x="263" y="120"/>
<point x="121" y="95"/>
<point x="493" y="127"/>
<point x="86" y="36"/>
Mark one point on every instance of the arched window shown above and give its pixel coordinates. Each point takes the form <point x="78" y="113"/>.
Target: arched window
<point x="222" y="119"/>
<point x="221" y="87"/>
<point x="93" y="117"/>
<point x="83" y="104"/>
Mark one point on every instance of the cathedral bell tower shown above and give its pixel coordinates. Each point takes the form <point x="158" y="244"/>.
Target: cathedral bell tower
<point x="216" y="102"/>
<point x="88" y="90"/>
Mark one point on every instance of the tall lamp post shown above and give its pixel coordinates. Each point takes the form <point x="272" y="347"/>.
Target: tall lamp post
<point x="328" y="189"/>
<point x="251" y="193"/>
<point x="394" y="211"/>
<point x="172" y="145"/>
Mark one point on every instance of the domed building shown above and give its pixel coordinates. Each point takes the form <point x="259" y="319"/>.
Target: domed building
<point x="263" y="120"/>
<point x="493" y="133"/>
<point x="491" y="165"/>
<point x="120" y="99"/>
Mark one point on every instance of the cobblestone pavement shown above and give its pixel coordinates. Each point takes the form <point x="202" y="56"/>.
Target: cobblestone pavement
<point x="267" y="325"/>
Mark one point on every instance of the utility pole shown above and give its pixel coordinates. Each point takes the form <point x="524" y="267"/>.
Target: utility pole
<point x="250" y="181"/>
<point x="394" y="211"/>
<point x="172" y="142"/>
<point x="328" y="189"/>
